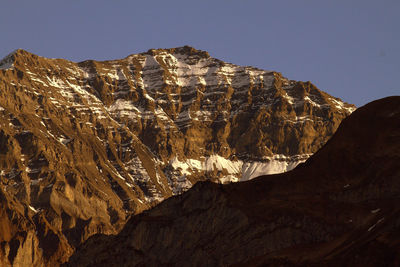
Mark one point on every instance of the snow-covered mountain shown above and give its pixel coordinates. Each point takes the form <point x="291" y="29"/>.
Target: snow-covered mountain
<point x="85" y="145"/>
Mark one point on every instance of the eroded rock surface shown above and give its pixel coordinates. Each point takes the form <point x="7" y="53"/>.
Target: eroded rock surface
<point x="340" y="208"/>
<point x="83" y="146"/>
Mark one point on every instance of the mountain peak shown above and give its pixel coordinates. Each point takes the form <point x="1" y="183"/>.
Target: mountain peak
<point x="8" y="61"/>
<point x="85" y="145"/>
<point x="185" y="50"/>
<point x="18" y="54"/>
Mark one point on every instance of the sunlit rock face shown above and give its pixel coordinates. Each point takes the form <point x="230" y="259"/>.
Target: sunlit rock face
<point x="85" y="145"/>
<point x="339" y="208"/>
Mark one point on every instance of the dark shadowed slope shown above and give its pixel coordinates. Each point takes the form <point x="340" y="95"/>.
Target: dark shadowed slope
<point x="341" y="207"/>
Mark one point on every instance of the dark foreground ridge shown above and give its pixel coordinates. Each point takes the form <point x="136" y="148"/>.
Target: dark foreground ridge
<point x="340" y="208"/>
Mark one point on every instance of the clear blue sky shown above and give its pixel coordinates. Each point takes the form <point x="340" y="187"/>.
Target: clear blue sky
<point x="349" y="49"/>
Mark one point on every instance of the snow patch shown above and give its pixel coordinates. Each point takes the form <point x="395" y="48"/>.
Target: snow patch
<point x="33" y="209"/>
<point x="340" y="105"/>
<point x="220" y="163"/>
<point x="63" y="140"/>
<point x="238" y="170"/>
<point x="373" y="226"/>
<point x="254" y="169"/>
<point x="29" y="170"/>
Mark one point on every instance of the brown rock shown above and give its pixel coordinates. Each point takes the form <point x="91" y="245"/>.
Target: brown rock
<point x="83" y="146"/>
<point x="340" y="208"/>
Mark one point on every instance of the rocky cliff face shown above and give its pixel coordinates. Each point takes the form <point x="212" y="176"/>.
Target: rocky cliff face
<point x="340" y="208"/>
<point x="85" y="145"/>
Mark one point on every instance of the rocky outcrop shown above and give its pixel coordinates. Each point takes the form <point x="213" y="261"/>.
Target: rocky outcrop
<point x="83" y="146"/>
<point x="340" y="208"/>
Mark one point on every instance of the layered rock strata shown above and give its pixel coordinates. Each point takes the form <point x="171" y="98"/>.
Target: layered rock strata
<point x="340" y="208"/>
<point x="85" y="145"/>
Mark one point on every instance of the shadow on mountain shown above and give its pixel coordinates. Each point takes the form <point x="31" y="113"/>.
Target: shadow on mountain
<point x="338" y="208"/>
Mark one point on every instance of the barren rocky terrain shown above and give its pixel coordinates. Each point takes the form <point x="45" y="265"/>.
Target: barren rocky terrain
<point x="84" y="146"/>
<point x="339" y="208"/>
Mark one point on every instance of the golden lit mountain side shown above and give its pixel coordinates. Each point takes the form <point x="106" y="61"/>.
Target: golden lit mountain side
<point x="339" y="208"/>
<point x="83" y="146"/>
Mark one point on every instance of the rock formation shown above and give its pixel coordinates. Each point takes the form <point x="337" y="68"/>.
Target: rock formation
<point x="340" y="208"/>
<point x="83" y="146"/>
